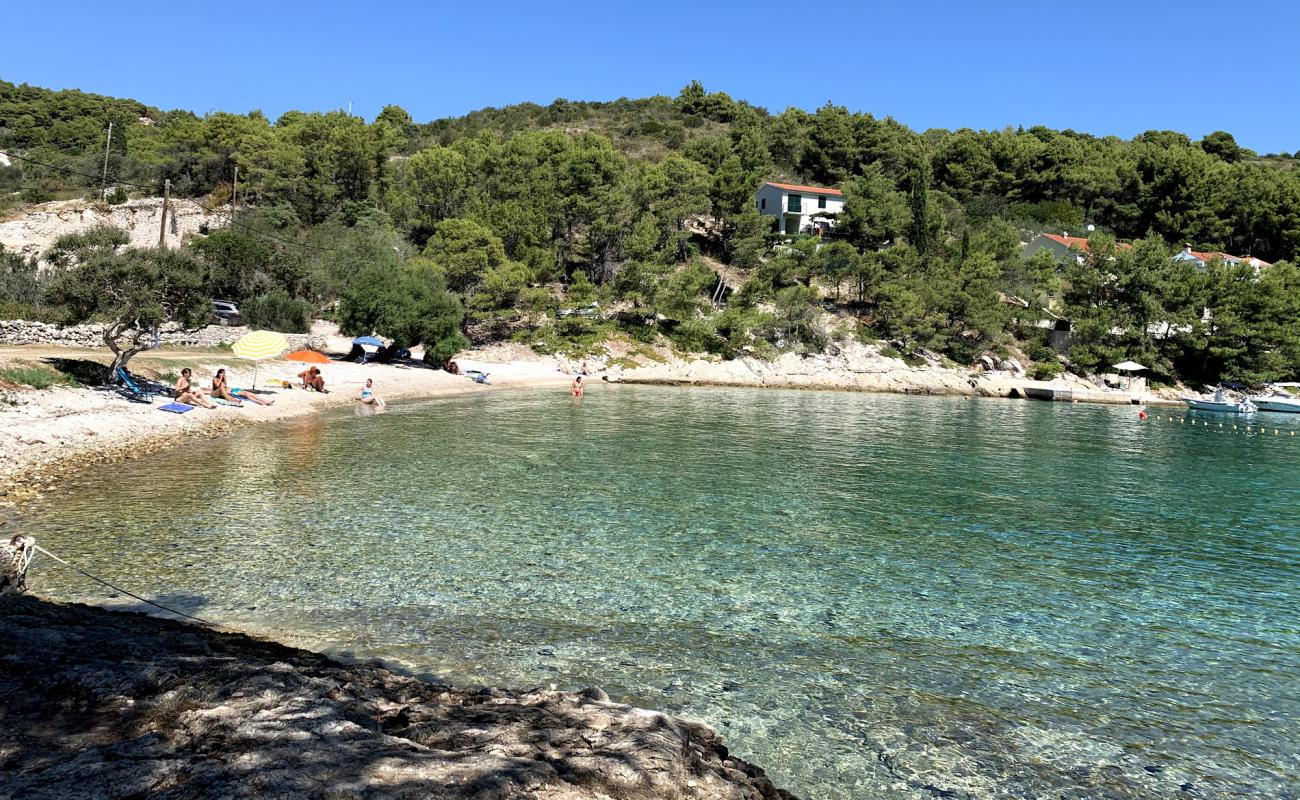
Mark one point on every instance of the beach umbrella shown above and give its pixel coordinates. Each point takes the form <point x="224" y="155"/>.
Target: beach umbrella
<point x="1128" y="366"/>
<point x="309" y="357"/>
<point x="368" y="344"/>
<point x="258" y="345"/>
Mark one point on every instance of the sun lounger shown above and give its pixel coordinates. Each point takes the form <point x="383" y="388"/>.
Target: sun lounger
<point x="130" y="387"/>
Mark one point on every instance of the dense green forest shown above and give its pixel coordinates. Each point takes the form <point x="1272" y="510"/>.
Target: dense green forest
<point x="501" y="222"/>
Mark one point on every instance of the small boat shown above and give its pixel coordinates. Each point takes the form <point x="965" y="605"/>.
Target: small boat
<point x="1281" y="403"/>
<point x="1227" y="407"/>
<point x="1220" y="404"/>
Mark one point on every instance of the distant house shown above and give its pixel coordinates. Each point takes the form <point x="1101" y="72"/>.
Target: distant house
<point x="799" y="209"/>
<point x="1199" y="259"/>
<point x="1061" y="246"/>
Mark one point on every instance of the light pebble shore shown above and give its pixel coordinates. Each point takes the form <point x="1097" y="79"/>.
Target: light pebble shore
<point x="56" y="432"/>
<point x="853" y="366"/>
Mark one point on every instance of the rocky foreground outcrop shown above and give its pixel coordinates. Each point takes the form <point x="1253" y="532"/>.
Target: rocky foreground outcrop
<point x="101" y="704"/>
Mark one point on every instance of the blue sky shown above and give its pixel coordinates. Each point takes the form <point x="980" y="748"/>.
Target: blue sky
<point x="1104" y="67"/>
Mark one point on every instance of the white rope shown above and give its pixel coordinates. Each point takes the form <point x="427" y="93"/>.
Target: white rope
<point x="123" y="591"/>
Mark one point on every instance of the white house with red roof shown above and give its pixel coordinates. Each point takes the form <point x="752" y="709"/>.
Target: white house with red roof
<point x="1062" y="245"/>
<point x="799" y="209"/>
<point x="1199" y="259"/>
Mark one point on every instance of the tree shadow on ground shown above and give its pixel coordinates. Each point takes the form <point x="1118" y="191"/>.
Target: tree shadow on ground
<point x="104" y="704"/>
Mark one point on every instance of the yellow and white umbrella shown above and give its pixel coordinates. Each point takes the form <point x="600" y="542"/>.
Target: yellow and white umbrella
<point x="258" y="345"/>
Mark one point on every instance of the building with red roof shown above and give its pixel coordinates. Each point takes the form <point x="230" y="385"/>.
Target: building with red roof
<point x="799" y="208"/>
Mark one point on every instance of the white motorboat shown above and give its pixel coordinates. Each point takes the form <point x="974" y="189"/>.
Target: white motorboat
<point x="1221" y="404"/>
<point x="1281" y="402"/>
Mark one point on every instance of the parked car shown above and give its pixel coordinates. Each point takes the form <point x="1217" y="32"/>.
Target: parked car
<point x="226" y="312"/>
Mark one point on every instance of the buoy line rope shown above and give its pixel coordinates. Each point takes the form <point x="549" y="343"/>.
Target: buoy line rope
<point x="125" y="592"/>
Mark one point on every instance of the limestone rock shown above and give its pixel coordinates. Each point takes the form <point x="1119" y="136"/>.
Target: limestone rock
<point x="102" y="704"/>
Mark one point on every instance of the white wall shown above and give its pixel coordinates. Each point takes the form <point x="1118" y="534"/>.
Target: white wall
<point x="778" y="201"/>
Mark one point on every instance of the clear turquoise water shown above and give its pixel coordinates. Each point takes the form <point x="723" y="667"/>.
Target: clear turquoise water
<point x="866" y="594"/>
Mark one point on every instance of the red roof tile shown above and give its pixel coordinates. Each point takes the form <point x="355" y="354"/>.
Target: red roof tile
<point x="1208" y="257"/>
<point x="1079" y="242"/>
<point x="794" y="187"/>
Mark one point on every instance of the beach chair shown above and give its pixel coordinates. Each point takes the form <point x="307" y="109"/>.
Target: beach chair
<point x="130" y="387"/>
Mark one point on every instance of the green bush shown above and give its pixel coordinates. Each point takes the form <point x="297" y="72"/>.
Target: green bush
<point x="277" y="311"/>
<point x="1046" y="370"/>
<point x="116" y="197"/>
<point x="697" y="336"/>
<point x="37" y="377"/>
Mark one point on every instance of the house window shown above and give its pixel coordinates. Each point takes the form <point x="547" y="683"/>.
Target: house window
<point x="821" y="202"/>
<point x="762" y="203"/>
<point x="795" y="203"/>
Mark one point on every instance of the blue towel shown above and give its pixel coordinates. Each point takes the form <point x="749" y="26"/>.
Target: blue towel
<point x="176" y="408"/>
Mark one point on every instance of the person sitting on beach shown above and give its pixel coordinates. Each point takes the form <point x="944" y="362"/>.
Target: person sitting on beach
<point x="186" y="393"/>
<point x="312" y="379"/>
<point x="367" y="395"/>
<point x="221" y="388"/>
<point x="577" y="386"/>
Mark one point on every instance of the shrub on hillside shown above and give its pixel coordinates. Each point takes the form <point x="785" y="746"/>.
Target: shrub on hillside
<point x="277" y="311"/>
<point x="1046" y="370"/>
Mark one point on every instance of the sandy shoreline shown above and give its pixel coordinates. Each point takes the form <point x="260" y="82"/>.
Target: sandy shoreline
<point x="53" y="433"/>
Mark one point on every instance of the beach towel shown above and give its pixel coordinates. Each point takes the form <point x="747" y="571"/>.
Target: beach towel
<point x="223" y="401"/>
<point x="176" y="408"/>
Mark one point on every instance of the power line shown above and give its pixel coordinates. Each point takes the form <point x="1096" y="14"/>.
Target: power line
<point x="198" y="203"/>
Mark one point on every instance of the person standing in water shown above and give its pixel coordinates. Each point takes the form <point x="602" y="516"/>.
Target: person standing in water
<point x="577" y="386"/>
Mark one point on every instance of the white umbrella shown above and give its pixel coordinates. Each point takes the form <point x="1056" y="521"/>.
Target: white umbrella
<point x="1128" y="366"/>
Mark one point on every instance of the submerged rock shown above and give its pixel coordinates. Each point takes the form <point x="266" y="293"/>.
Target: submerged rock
<point x="103" y="704"/>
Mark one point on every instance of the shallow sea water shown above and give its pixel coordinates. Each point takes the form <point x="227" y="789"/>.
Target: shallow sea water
<point x="868" y="595"/>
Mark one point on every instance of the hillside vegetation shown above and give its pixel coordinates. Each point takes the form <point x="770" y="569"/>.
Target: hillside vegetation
<point x="500" y="222"/>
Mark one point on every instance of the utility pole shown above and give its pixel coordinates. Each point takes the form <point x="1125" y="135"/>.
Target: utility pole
<point x="103" y="184"/>
<point x="234" y="194"/>
<point x="162" y="229"/>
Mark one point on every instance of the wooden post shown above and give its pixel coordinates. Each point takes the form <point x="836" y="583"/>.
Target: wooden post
<point x="162" y="228"/>
<point x="103" y="184"/>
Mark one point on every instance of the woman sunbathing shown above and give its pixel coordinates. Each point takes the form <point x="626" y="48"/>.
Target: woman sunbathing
<point x="221" y="388"/>
<point x="186" y="393"/>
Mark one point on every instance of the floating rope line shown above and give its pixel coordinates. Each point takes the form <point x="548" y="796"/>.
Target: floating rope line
<point x="125" y="592"/>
